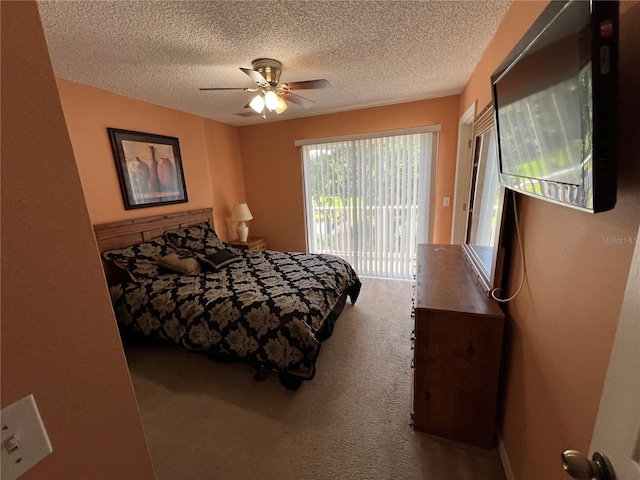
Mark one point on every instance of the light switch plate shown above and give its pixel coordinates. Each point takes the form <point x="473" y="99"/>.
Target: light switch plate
<point x="21" y="420"/>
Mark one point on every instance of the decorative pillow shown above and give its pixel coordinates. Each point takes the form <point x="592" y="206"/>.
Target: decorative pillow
<point x="182" y="261"/>
<point x="196" y="238"/>
<point x="219" y="259"/>
<point x="139" y="261"/>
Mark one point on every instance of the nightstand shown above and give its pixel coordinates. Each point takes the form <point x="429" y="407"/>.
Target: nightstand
<point x="252" y="243"/>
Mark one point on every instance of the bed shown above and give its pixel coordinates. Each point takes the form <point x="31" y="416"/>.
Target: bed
<point x="172" y="279"/>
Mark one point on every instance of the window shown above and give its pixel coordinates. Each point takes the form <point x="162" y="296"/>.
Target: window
<point x="367" y="200"/>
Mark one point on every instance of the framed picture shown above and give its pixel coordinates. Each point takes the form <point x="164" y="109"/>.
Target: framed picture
<point x="149" y="168"/>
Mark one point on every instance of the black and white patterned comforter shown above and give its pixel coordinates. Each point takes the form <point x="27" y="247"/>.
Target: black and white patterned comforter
<point x="271" y="308"/>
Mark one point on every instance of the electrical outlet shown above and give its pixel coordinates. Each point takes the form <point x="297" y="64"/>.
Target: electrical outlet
<point x="24" y="440"/>
<point x="446" y="202"/>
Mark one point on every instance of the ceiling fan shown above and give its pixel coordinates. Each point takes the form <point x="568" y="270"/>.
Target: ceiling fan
<point x="270" y="92"/>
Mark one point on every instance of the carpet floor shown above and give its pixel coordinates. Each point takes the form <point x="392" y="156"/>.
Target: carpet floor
<point x="206" y="420"/>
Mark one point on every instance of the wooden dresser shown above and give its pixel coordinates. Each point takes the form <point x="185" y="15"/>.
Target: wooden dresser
<point x="458" y="342"/>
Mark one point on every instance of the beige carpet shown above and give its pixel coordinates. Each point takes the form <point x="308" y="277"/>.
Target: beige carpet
<point x="207" y="420"/>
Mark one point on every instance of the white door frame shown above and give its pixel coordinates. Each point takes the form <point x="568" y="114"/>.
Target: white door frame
<point x="464" y="164"/>
<point x="616" y="432"/>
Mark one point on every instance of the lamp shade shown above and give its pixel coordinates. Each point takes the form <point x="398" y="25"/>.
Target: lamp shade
<point x="241" y="213"/>
<point x="257" y="104"/>
<point x="282" y="106"/>
<point x="271" y="100"/>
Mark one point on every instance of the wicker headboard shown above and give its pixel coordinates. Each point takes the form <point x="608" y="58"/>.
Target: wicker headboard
<point x="138" y="230"/>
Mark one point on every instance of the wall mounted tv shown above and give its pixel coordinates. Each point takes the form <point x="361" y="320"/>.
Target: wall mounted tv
<point x="555" y="105"/>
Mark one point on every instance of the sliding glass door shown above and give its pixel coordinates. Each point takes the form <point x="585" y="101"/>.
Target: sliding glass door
<point x="367" y="201"/>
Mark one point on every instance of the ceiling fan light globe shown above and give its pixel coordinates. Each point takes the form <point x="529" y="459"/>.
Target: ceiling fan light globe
<point x="282" y="105"/>
<point x="257" y="104"/>
<point x="271" y="100"/>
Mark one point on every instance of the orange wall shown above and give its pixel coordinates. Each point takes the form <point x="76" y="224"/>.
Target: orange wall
<point x="59" y="336"/>
<point x="273" y="166"/>
<point x="560" y="328"/>
<point x="227" y="173"/>
<point x="209" y="150"/>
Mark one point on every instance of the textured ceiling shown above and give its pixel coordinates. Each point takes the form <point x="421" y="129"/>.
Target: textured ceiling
<point x="372" y="52"/>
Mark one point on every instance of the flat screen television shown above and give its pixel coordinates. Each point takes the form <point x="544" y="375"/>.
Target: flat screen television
<point x="555" y="106"/>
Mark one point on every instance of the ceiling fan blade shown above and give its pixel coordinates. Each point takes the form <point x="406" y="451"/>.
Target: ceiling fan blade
<point x="223" y="88"/>
<point x="307" y="84"/>
<point x="297" y="99"/>
<point x="256" y="77"/>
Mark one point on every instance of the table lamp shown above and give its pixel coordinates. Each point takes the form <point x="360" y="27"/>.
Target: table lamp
<point x="241" y="214"/>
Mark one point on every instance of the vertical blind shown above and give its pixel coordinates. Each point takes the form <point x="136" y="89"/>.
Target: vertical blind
<point x="366" y="201"/>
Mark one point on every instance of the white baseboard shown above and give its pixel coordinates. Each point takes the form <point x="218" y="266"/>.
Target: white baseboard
<point x="506" y="465"/>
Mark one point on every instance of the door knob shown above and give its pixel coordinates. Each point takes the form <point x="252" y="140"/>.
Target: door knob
<point x="580" y="467"/>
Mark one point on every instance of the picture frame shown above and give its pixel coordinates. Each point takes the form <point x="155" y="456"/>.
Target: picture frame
<point x="149" y="168"/>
